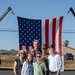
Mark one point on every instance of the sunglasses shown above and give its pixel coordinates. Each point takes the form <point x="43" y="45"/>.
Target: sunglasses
<point x="21" y="53"/>
<point x="38" y="56"/>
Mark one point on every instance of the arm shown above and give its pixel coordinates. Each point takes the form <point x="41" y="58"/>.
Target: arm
<point x="24" y="68"/>
<point x="45" y="69"/>
<point x="14" y="68"/>
<point x="59" y="64"/>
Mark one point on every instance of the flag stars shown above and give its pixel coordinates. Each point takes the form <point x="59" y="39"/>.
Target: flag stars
<point x="27" y="36"/>
<point x="22" y="36"/>
<point x="29" y="21"/>
<point x="30" y="30"/>
<point x="22" y="26"/>
<point x="20" y="33"/>
<point x="19" y="20"/>
<point x="24" y="20"/>
<point x="23" y="41"/>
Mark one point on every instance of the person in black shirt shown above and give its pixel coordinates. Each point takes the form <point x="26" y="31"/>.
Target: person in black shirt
<point x="19" y="62"/>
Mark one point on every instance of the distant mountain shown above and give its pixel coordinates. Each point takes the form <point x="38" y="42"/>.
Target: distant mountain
<point x="10" y="52"/>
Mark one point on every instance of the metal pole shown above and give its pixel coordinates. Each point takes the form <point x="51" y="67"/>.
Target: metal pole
<point x="4" y="14"/>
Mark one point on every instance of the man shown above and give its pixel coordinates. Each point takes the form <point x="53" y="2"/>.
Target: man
<point x="36" y="46"/>
<point x="39" y="68"/>
<point x="54" y="61"/>
<point x="44" y="56"/>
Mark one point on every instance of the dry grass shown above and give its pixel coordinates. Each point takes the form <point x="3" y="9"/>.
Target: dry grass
<point x="7" y="61"/>
<point x="69" y="64"/>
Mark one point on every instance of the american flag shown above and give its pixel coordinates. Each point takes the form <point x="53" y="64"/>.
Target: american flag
<point x="48" y="31"/>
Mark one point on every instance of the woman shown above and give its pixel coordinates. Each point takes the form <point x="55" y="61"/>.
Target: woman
<point x="27" y="66"/>
<point x="19" y="62"/>
<point x="32" y="51"/>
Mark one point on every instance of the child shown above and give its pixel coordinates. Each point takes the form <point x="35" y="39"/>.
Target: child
<point x="27" y="66"/>
<point x="39" y="68"/>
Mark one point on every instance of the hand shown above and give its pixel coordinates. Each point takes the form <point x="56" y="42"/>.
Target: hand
<point x="58" y="72"/>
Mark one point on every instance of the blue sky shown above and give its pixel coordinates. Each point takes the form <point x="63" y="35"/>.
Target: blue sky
<point x="36" y="9"/>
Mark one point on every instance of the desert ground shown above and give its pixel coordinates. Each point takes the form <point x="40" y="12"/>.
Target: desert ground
<point x="8" y="60"/>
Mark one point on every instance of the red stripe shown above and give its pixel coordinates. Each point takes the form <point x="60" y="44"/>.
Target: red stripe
<point x="20" y="47"/>
<point x="27" y="49"/>
<point x="47" y="33"/>
<point x="53" y="30"/>
<point x="60" y="35"/>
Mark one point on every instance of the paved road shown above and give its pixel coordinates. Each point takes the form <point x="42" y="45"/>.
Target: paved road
<point x="10" y="72"/>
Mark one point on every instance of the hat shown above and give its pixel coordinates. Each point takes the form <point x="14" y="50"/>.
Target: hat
<point x="44" y="46"/>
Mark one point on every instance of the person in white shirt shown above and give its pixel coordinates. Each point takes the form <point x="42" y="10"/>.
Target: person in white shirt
<point x="54" y="61"/>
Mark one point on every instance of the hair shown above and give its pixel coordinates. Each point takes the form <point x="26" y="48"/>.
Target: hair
<point x="38" y="53"/>
<point x="34" y="52"/>
<point x="27" y="60"/>
<point x="51" y="46"/>
<point x="35" y="41"/>
<point x="18" y="54"/>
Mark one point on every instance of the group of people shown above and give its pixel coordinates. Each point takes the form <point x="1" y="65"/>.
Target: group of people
<point x="37" y="62"/>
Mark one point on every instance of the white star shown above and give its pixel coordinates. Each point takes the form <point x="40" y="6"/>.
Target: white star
<point x="31" y="23"/>
<point x="39" y="34"/>
<point x="34" y="30"/>
<point x="24" y="24"/>
<point x="19" y="20"/>
<point x="20" y="28"/>
<point x="24" y="33"/>
<point x="24" y="20"/>
<point x="39" y="29"/>
<point x="27" y="36"/>
<point x="31" y="31"/>
<point x="34" y="21"/>
<point x="27" y="31"/>
<point x="23" y="41"/>
<point x="20" y="33"/>
<point x="27" y="27"/>
<point x="34" y="34"/>
<point x="32" y="27"/>
<point x="28" y="41"/>
<point x="24" y="29"/>
<point x="20" y="38"/>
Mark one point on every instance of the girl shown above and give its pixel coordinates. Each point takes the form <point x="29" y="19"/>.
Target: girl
<point x="27" y="66"/>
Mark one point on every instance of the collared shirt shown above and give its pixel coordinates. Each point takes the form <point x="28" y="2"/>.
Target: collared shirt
<point x="38" y="68"/>
<point x="54" y="62"/>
